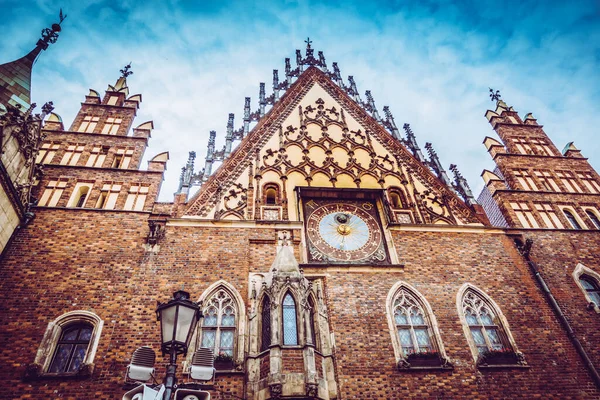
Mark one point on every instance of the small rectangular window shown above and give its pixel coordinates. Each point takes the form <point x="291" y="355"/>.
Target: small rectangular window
<point x="122" y="158"/>
<point x="569" y="181"/>
<point x="525" y="180"/>
<point x="80" y="195"/>
<point x="112" y="100"/>
<point x="52" y="193"/>
<point x="548" y="215"/>
<point x="547" y="181"/>
<point x="589" y="182"/>
<point x="72" y="154"/>
<point x="136" y="198"/>
<point x="97" y="157"/>
<point x="523" y="213"/>
<point x="108" y="196"/>
<point x="46" y="153"/>
<point x="89" y="124"/>
<point x="111" y="126"/>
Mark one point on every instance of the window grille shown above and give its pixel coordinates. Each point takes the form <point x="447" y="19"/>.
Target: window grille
<point x="265" y="325"/>
<point x="219" y="324"/>
<point x="290" y="326"/>
<point x="71" y="349"/>
<point x="483" y="323"/>
<point x="591" y="287"/>
<point x="411" y="324"/>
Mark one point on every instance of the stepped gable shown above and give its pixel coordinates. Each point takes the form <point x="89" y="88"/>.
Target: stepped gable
<point x="230" y="182"/>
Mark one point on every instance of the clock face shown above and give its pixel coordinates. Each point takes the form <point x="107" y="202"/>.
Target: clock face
<point x="343" y="231"/>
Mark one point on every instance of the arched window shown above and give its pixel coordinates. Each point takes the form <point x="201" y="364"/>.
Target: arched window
<point x="572" y="219"/>
<point x="70" y="343"/>
<point x="71" y="348"/>
<point x="219" y="323"/>
<point x="484" y="324"/>
<point x="271" y="194"/>
<point x="265" y="335"/>
<point x="591" y="288"/>
<point x="594" y="218"/>
<point x="396" y="197"/>
<point x="412" y="324"/>
<point x="290" y="326"/>
<point x="82" y="195"/>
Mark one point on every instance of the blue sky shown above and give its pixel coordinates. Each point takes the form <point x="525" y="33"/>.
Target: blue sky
<point x="430" y="61"/>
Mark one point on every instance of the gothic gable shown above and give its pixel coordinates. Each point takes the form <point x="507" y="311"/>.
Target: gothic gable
<point x="317" y="136"/>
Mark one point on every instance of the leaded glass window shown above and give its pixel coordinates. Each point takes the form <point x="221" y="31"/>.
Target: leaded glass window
<point x="591" y="287"/>
<point x="312" y="319"/>
<point x="572" y="219"/>
<point x="219" y="324"/>
<point x="265" y="341"/>
<point x="411" y="324"/>
<point x="71" y="349"/>
<point x="290" y="326"/>
<point x="483" y="323"/>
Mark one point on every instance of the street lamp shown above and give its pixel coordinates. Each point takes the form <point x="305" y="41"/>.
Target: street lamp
<point x="178" y="319"/>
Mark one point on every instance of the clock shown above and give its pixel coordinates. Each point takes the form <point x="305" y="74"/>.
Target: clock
<point x="343" y="231"/>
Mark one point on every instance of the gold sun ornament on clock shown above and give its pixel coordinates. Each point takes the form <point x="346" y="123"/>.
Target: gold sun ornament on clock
<point x="344" y="231"/>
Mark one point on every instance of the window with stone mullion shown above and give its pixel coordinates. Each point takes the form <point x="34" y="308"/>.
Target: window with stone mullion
<point x="411" y="325"/>
<point x="219" y="324"/>
<point x="481" y="320"/>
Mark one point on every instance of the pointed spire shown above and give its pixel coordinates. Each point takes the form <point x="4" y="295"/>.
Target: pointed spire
<point x="390" y="123"/>
<point x="299" y="61"/>
<point x="353" y="91"/>
<point x="229" y="135"/>
<point x="210" y="155"/>
<point x="246" y="116"/>
<point x="187" y="173"/>
<point x="288" y="72"/>
<point x="461" y="186"/>
<point x="337" y="76"/>
<point x="275" y="85"/>
<point x="322" y="62"/>
<point x="262" y="100"/>
<point x="411" y="142"/>
<point x="436" y="165"/>
<point x="370" y="106"/>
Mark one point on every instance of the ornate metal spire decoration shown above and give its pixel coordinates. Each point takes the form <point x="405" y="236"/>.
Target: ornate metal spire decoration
<point x="275" y="85"/>
<point x="322" y="62"/>
<point x="299" y="62"/>
<point x="411" y="143"/>
<point x="353" y="91"/>
<point x="337" y="76"/>
<point x="187" y="172"/>
<point x="494" y="96"/>
<point x="262" y="100"/>
<point x="288" y="72"/>
<point x="436" y="165"/>
<point x="370" y="106"/>
<point x="210" y="155"/>
<point x="125" y="72"/>
<point x="229" y="135"/>
<point x="461" y="186"/>
<point x="246" y="116"/>
<point x="390" y="124"/>
<point x="50" y="35"/>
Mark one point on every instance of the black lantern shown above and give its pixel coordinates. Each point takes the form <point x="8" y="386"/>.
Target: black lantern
<point x="178" y="319"/>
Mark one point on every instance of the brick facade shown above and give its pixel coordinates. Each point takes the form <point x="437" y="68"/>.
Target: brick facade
<point x="101" y="261"/>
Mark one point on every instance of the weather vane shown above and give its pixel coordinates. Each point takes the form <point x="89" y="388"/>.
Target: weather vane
<point x="50" y="35"/>
<point x="494" y="96"/>
<point x="125" y="72"/>
<point x="308" y="42"/>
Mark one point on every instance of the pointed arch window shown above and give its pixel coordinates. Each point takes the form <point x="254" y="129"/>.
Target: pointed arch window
<point x="594" y="218"/>
<point x="265" y="324"/>
<point x="592" y="288"/>
<point x="412" y="324"/>
<point x="290" y="325"/>
<point x="572" y="220"/>
<point x="484" y="324"/>
<point x="220" y="323"/>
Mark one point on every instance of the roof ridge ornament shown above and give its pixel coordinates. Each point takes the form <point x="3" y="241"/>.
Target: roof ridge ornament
<point x="462" y="186"/>
<point x="436" y="165"/>
<point x="495" y="96"/>
<point x="411" y="143"/>
<point x="125" y="71"/>
<point x="50" y="35"/>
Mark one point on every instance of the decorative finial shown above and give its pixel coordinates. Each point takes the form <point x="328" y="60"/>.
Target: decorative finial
<point x="495" y="96"/>
<point x="462" y="186"/>
<point x="308" y="42"/>
<point x="125" y="72"/>
<point x="50" y="35"/>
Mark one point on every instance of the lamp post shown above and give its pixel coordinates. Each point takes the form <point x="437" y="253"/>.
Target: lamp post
<point x="178" y="319"/>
